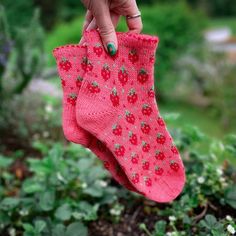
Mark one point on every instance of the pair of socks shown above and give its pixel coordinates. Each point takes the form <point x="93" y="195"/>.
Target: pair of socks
<point x="109" y="107"/>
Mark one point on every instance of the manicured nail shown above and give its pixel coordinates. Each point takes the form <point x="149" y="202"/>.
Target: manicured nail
<point x="111" y="49"/>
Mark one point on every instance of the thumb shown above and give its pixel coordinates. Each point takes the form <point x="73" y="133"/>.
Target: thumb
<point x="106" y="29"/>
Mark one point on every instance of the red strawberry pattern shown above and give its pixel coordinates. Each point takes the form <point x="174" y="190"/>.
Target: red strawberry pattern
<point x="132" y="96"/>
<point x="160" y="138"/>
<point x="158" y="170"/>
<point x="133" y="56"/>
<point x="119" y="150"/>
<point x="159" y="155"/>
<point x="65" y="64"/>
<point x="129" y="117"/>
<point x="98" y="49"/>
<point x="145" y="147"/>
<point x="86" y="65"/>
<point x="134" y="158"/>
<point x="174" y="165"/>
<point x="79" y="82"/>
<point x="105" y="72"/>
<point x="117" y="130"/>
<point x="145" y="165"/>
<point x="145" y="128"/>
<point x="146" y="110"/>
<point x="133" y="138"/>
<point x="148" y="182"/>
<point x="114" y="98"/>
<point x="72" y="99"/>
<point x="151" y="93"/>
<point x="93" y="87"/>
<point x="106" y="165"/>
<point x="123" y="76"/>
<point x="135" y="178"/>
<point x="142" y="76"/>
<point x="63" y="83"/>
<point x="160" y="121"/>
<point x="174" y="150"/>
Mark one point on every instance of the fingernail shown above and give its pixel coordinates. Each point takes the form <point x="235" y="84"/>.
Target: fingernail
<point x="111" y="49"/>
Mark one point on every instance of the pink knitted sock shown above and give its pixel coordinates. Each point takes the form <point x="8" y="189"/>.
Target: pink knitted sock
<point x="72" y="65"/>
<point x="121" y="111"/>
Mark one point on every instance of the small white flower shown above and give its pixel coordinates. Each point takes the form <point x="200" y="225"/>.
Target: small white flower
<point x="36" y="136"/>
<point x="222" y="179"/>
<point x="219" y="171"/>
<point x="169" y="234"/>
<point x="201" y="180"/>
<point x="229" y="218"/>
<point x="84" y="185"/>
<point x="231" y="229"/>
<point x="172" y="218"/>
<point x="45" y="134"/>
<point x="102" y="183"/>
<point x="48" y="108"/>
<point x="24" y="212"/>
<point x="12" y="232"/>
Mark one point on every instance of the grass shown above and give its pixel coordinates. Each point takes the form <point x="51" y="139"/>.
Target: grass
<point x="222" y="22"/>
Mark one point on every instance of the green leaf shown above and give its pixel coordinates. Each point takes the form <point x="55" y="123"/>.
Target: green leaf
<point x="230" y="196"/>
<point x="160" y="228"/>
<point x="47" y="200"/>
<point x="77" y="229"/>
<point x="58" y="230"/>
<point x="63" y="212"/>
<point x="5" y="162"/>
<point x="9" y="203"/>
<point x="39" y="225"/>
<point x="30" y="186"/>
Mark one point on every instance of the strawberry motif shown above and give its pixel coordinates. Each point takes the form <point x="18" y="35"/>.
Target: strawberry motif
<point x="98" y="49"/>
<point x="119" y="150"/>
<point x="145" y="147"/>
<point x="72" y="99"/>
<point x="123" y="76"/>
<point x="93" y="87"/>
<point x="135" y="178"/>
<point x="132" y="96"/>
<point x="117" y="130"/>
<point x="142" y="76"/>
<point x="151" y="93"/>
<point x="145" y="128"/>
<point x="146" y="110"/>
<point x="133" y="138"/>
<point x="159" y="155"/>
<point x="133" y="56"/>
<point x="79" y="82"/>
<point x="174" y="165"/>
<point x="134" y="158"/>
<point x="148" y="182"/>
<point x="145" y="165"/>
<point x="174" y="149"/>
<point x="160" y="121"/>
<point x="63" y="83"/>
<point x="152" y="59"/>
<point x="158" y="170"/>
<point x="160" y="138"/>
<point x="65" y="64"/>
<point x="114" y="98"/>
<point x="129" y="117"/>
<point x="86" y="65"/>
<point x="105" y="72"/>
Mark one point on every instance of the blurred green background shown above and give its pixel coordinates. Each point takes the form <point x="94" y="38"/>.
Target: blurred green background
<point x="195" y="80"/>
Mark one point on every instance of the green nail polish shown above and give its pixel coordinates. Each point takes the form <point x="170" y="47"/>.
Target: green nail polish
<point x="111" y="49"/>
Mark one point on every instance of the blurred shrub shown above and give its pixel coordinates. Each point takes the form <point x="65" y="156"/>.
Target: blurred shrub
<point x="208" y="79"/>
<point x="178" y="27"/>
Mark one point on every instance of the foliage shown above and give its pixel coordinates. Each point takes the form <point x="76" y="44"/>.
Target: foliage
<point x="63" y="194"/>
<point x="210" y="77"/>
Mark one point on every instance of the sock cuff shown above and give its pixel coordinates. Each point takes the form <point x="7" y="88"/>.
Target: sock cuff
<point x="68" y="50"/>
<point x="126" y="39"/>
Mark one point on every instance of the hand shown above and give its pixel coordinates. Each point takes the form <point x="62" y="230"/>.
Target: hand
<point x="104" y="15"/>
